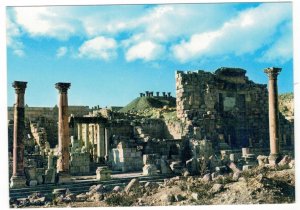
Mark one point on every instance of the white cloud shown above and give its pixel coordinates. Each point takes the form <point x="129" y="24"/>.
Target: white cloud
<point x="99" y="48"/>
<point x="12" y="38"/>
<point x="61" y="51"/>
<point x="192" y="30"/>
<point x="281" y="50"/>
<point x="251" y="30"/>
<point x="146" y="50"/>
<point x="52" y="22"/>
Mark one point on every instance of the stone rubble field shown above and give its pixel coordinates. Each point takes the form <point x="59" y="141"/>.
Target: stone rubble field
<point x="259" y="185"/>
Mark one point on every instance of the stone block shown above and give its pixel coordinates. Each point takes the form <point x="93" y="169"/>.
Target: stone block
<point x="50" y="176"/>
<point x="103" y="173"/>
<point x="149" y="170"/>
<point x="247" y="167"/>
<point x="33" y="183"/>
<point x="30" y="173"/>
<point x="262" y="160"/>
<point x="64" y="178"/>
<point x="133" y="184"/>
<point x="17" y="182"/>
<point x="149" y="159"/>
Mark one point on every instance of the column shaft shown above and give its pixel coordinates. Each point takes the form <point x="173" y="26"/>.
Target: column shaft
<point x="18" y="177"/>
<point x="273" y="111"/>
<point x="63" y="129"/>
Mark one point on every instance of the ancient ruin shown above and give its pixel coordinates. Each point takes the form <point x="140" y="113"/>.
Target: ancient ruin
<point x="215" y="127"/>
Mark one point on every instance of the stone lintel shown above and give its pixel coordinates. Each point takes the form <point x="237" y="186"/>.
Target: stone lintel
<point x="62" y="87"/>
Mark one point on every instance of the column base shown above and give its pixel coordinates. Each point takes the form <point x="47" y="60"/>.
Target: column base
<point x="17" y="182"/>
<point x="274" y="159"/>
<point x="64" y="178"/>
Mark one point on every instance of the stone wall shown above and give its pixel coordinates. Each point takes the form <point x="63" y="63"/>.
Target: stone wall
<point x="79" y="163"/>
<point x="121" y="128"/>
<point x="174" y="129"/>
<point x="167" y="148"/>
<point x="48" y="112"/>
<point x="224" y="106"/>
<point x="126" y="158"/>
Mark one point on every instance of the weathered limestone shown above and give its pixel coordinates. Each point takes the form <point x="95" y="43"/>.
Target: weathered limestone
<point x="126" y="158"/>
<point x="262" y="160"/>
<point x="86" y="137"/>
<point x="149" y="170"/>
<point x="63" y="133"/>
<point x="79" y="163"/>
<point x="50" y="172"/>
<point x="223" y="105"/>
<point x="164" y="166"/>
<point x="149" y="165"/>
<point x="101" y="142"/>
<point x="18" y="177"/>
<point x="273" y="114"/>
<point x="103" y="173"/>
<point x="107" y="143"/>
<point x="245" y="151"/>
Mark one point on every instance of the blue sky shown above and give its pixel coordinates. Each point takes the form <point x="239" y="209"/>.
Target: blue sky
<point x="111" y="53"/>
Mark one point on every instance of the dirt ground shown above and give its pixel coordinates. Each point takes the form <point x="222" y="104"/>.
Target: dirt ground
<point x="256" y="186"/>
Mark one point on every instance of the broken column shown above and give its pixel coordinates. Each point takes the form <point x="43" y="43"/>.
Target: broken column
<point x="63" y="133"/>
<point x="273" y="114"/>
<point x="18" y="177"/>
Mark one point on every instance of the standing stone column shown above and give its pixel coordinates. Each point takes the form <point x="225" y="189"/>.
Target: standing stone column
<point x="107" y="142"/>
<point x="86" y="138"/>
<point x="79" y="133"/>
<point x="63" y="133"/>
<point x="273" y="114"/>
<point x="18" y="177"/>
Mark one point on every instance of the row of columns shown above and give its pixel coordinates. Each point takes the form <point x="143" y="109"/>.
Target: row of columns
<point x="99" y="136"/>
<point x="150" y="94"/>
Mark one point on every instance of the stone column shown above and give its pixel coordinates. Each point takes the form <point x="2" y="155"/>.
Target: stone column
<point x="100" y="143"/>
<point x="63" y="133"/>
<point x="93" y="148"/>
<point x="107" y="143"/>
<point x="273" y="114"/>
<point x="86" y="139"/>
<point x="18" y="179"/>
<point x="79" y="132"/>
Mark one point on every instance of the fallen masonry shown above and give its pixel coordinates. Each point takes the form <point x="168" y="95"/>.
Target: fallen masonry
<point x="217" y="132"/>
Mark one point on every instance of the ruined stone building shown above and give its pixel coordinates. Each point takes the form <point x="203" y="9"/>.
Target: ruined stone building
<point x="213" y="113"/>
<point x="226" y="107"/>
